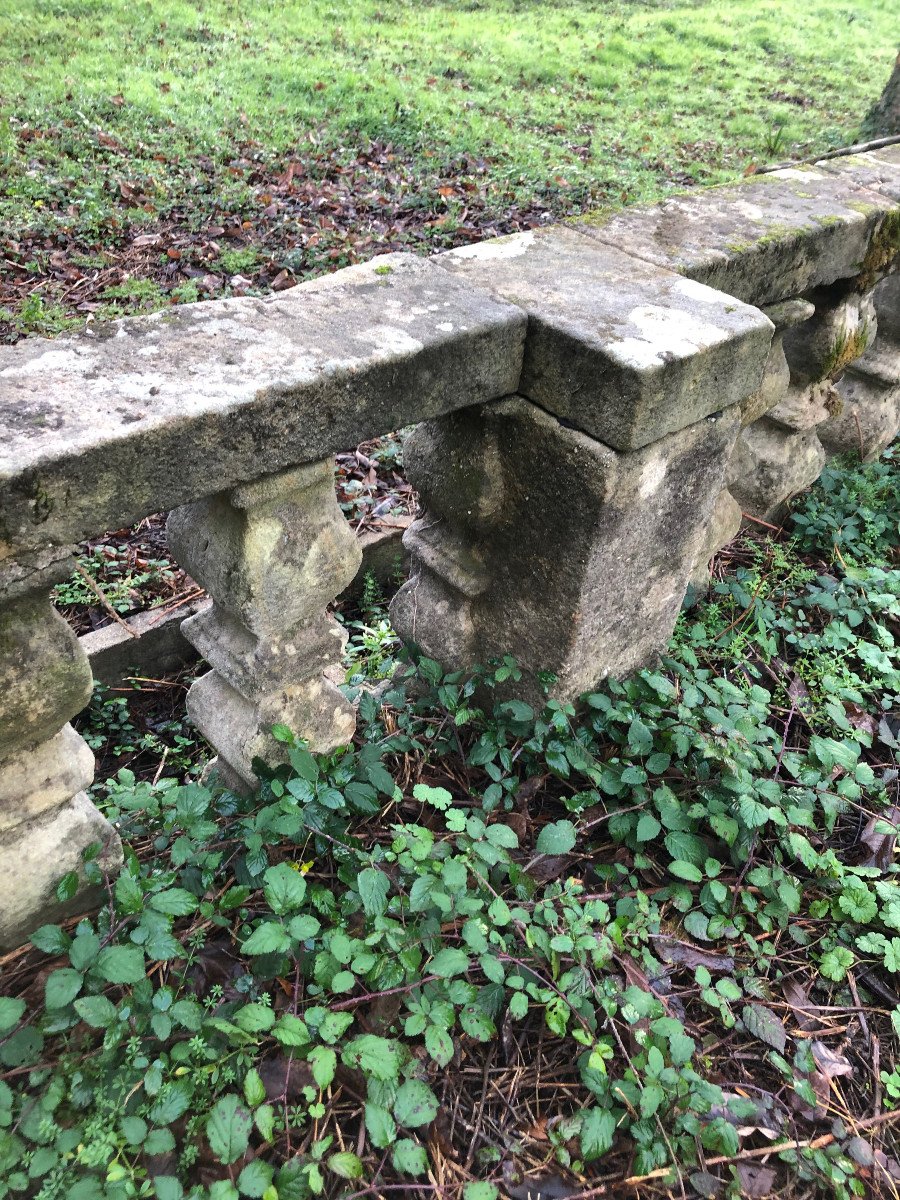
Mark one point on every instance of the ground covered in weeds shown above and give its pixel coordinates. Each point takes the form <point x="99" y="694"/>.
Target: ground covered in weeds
<point x="647" y="945"/>
<point x="157" y="153"/>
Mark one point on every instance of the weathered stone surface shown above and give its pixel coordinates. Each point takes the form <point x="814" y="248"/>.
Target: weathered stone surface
<point x="724" y="523"/>
<point x="770" y="465"/>
<point x="98" y="430"/>
<point x="869" y="417"/>
<point x="843" y="325"/>
<point x="538" y="541"/>
<point x="45" y="678"/>
<point x="35" y="856"/>
<point x="272" y="555"/>
<point x="622" y="350"/>
<point x="876" y="170"/>
<point x="32" y="781"/>
<point x="804" y="408"/>
<point x="776" y="376"/>
<point x="762" y="240"/>
<point x="156" y="645"/>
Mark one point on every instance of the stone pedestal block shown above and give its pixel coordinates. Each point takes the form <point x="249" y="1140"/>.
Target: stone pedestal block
<point x="272" y="555"/>
<point x="776" y="375"/>
<point x="35" y="855"/>
<point x="769" y="465"/>
<point x="540" y="542"/>
<point x="869" y="416"/>
<point x="46" y="819"/>
<point x="724" y="524"/>
<point x="780" y="454"/>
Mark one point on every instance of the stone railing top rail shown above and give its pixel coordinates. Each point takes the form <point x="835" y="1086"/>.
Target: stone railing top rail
<point x="593" y="319"/>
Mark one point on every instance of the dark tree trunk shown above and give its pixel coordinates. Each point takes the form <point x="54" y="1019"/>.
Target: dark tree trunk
<point x="884" y="119"/>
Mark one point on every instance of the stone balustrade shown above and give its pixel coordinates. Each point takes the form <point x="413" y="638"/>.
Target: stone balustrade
<point x="596" y="405"/>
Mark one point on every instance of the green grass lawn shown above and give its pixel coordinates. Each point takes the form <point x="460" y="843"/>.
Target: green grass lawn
<point x="472" y="117"/>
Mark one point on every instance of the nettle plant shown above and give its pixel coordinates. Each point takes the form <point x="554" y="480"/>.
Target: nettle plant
<point x="278" y="996"/>
<point x="162" y="1077"/>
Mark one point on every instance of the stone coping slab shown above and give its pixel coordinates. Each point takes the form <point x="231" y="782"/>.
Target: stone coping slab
<point x="623" y="350"/>
<point x="762" y="240"/>
<point x="877" y="170"/>
<point x="148" y="413"/>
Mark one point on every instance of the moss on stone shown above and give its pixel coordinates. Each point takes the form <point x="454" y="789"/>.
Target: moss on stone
<point x="884" y="248"/>
<point x="845" y="349"/>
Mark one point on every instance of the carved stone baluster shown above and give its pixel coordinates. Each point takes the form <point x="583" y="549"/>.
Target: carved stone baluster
<point x="779" y="453"/>
<point x="538" y="541"/>
<point x="272" y="554"/>
<point x="869" y="415"/>
<point x="46" y="818"/>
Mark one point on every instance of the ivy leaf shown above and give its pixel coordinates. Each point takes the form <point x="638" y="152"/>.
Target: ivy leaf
<point x="835" y="963"/>
<point x="228" y="1129"/>
<point x="415" y="1104"/>
<point x="449" y="962"/>
<point x="409" y="1158"/>
<point x="438" y="797"/>
<point x="558" y="837"/>
<point x="373" y="886"/>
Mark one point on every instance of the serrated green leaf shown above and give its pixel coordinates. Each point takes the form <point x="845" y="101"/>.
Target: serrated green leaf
<point x="439" y="1044"/>
<point x="380" y="1126"/>
<point x="97" y="1011"/>
<point x="284" y="888"/>
<point x="409" y="1158"/>
<point x="323" y="1061"/>
<point x="121" y="964"/>
<point x="346" y="1165"/>
<point x="174" y="902"/>
<point x="269" y="938"/>
<point x="374" y="886"/>
<point x="415" y="1104"/>
<point x="558" y="837"/>
<point x="62" y="987"/>
<point x="228" y="1129"/>
<point x="254" y="1018"/>
<point x="448" y="962"/>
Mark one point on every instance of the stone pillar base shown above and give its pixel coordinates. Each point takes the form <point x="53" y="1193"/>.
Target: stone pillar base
<point x="538" y="541"/>
<point x="35" y="855"/>
<point x="272" y="554"/>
